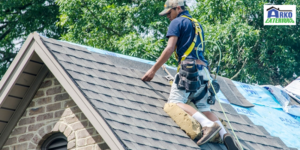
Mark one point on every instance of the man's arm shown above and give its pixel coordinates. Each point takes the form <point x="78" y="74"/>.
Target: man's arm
<point x="165" y="55"/>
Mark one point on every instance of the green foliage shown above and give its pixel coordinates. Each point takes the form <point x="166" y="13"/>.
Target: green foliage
<point x="251" y="52"/>
<point x="128" y="27"/>
<point x="18" y="18"/>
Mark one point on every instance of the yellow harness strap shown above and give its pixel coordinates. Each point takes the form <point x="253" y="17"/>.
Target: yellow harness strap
<point x="198" y="31"/>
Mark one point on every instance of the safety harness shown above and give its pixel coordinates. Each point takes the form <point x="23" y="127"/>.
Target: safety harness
<point x="188" y="78"/>
<point x="198" y="31"/>
<point x="212" y="86"/>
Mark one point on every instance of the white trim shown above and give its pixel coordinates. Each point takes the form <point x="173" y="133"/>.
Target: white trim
<point x="97" y="121"/>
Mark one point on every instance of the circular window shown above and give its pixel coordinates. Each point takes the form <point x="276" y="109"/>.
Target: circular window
<point x="57" y="141"/>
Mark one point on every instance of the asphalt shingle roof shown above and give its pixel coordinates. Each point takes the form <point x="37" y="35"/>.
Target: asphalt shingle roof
<point x="134" y="109"/>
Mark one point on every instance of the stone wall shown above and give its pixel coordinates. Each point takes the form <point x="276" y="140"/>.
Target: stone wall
<point x="51" y="111"/>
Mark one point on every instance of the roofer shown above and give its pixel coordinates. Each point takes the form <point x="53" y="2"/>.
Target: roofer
<point x="189" y="51"/>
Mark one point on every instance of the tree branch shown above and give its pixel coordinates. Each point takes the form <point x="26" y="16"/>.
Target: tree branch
<point x="239" y="70"/>
<point x="4" y="34"/>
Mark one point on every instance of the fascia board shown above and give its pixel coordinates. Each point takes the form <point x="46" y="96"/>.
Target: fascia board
<point x="16" y="68"/>
<point x="97" y="121"/>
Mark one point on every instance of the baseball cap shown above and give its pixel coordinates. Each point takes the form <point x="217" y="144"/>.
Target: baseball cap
<point x="171" y="4"/>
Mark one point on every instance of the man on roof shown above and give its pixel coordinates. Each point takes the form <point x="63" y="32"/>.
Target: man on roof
<point x="186" y="39"/>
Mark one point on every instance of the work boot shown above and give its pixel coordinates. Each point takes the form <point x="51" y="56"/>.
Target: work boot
<point x="230" y="142"/>
<point x="208" y="133"/>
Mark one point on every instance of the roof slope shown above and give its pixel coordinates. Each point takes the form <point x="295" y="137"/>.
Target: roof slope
<point x="133" y="108"/>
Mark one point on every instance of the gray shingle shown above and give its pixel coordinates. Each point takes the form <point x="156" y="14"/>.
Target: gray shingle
<point x="100" y="59"/>
<point x="253" y="146"/>
<point x="82" y="54"/>
<point x="263" y="130"/>
<point x="104" y="113"/>
<point x="237" y="127"/>
<point x="245" y="118"/>
<point x="51" y="41"/>
<point x="134" y="109"/>
<point x="260" y="139"/>
<point x="280" y="142"/>
<point x="129" y="144"/>
<point x="252" y="129"/>
<point x="245" y="145"/>
<point x="91" y="95"/>
<point x="54" y="47"/>
<point x="273" y="142"/>
<point x="106" y="99"/>
<point x="125" y="72"/>
<point x="89" y="64"/>
<point x="227" y="108"/>
<point x="66" y="65"/>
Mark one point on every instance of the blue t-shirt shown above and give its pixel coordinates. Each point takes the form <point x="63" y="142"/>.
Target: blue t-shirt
<point x="184" y="30"/>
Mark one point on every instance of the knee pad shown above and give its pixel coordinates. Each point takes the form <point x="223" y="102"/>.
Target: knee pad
<point x="186" y="122"/>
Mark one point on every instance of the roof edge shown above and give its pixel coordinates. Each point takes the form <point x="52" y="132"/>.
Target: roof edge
<point x="15" y="69"/>
<point x="110" y="53"/>
<point x="68" y="84"/>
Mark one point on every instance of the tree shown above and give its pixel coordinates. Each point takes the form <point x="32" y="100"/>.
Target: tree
<point x="21" y="17"/>
<point x="251" y="52"/>
<point x="131" y="27"/>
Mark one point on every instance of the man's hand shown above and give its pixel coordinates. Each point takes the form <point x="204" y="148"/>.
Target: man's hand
<point x="162" y="59"/>
<point x="149" y="75"/>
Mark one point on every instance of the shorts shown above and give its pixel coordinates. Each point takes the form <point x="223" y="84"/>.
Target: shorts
<point x="181" y="96"/>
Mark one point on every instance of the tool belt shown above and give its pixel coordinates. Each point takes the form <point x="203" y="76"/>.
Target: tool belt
<point x="188" y="79"/>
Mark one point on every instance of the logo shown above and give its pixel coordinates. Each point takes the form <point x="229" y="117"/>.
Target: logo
<point x="279" y="14"/>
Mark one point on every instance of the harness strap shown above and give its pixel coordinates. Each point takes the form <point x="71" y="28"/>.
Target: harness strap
<point x="198" y="31"/>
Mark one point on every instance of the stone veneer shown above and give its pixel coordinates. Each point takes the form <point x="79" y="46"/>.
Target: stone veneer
<point x="52" y="111"/>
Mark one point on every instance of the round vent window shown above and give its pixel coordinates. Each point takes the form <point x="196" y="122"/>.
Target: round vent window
<point x="57" y="141"/>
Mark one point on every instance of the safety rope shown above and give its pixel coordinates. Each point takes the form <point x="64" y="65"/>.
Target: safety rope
<point x="169" y="77"/>
<point x="206" y="71"/>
